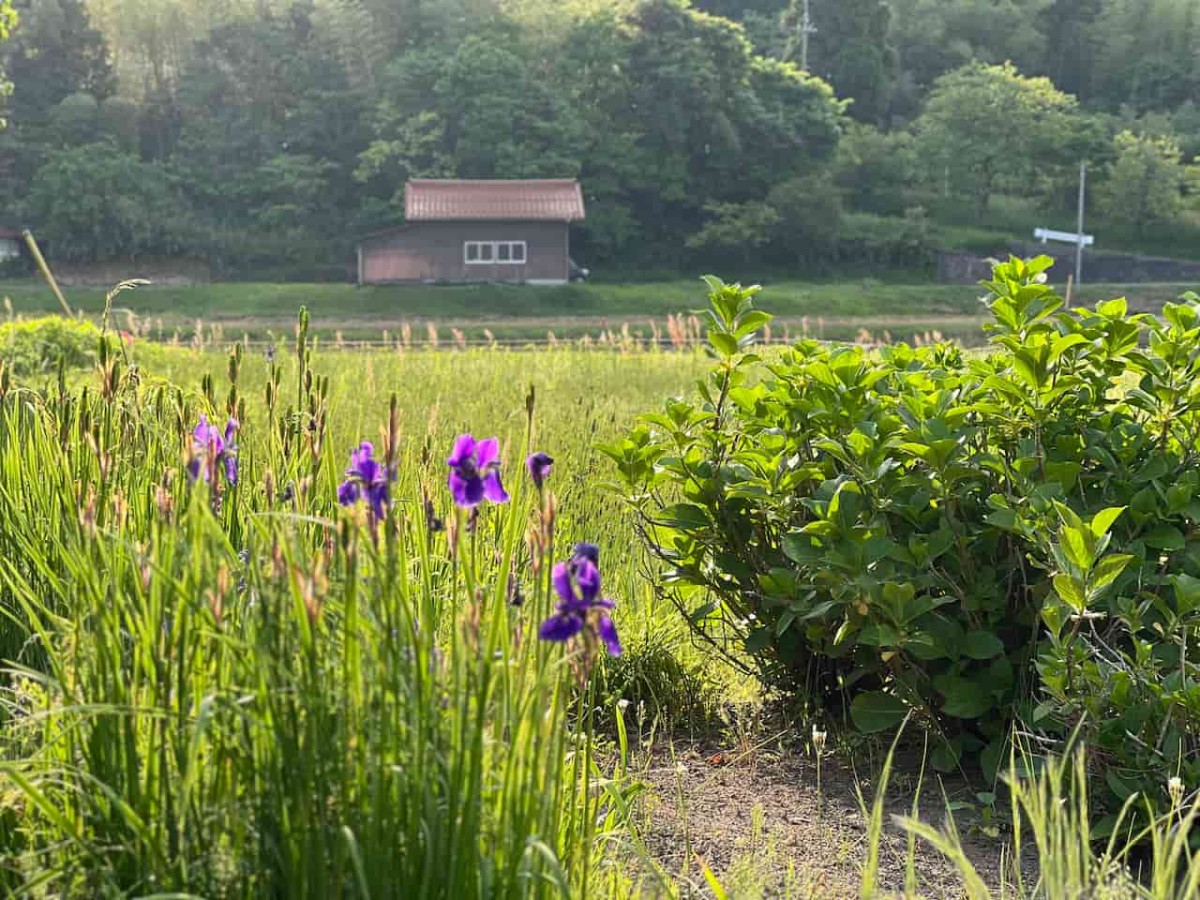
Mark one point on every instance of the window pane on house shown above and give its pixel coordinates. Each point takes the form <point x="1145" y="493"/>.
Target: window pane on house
<point x="503" y="251"/>
<point x="472" y="251"/>
<point x="485" y="252"/>
<point x="518" y="251"/>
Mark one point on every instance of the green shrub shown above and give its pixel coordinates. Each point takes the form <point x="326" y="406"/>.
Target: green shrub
<point x="971" y="538"/>
<point x="38" y="346"/>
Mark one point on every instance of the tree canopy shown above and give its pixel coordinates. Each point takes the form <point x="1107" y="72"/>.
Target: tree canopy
<point x="281" y="129"/>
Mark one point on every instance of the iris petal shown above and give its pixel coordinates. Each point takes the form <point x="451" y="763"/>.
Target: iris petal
<point x="377" y="496"/>
<point x="464" y="449"/>
<point x="589" y="552"/>
<point x="493" y="489"/>
<point x="588" y="578"/>
<point x="362" y="464"/>
<point x="538" y="465"/>
<point x="561" y="627"/>
<point x="487" y="452"/>
<point x="561" y="578"/>
<point x="348" y="493"/>
<point x="607" y="632"/>
<point x="467" y="491"/>
<point x="203" y="429"/>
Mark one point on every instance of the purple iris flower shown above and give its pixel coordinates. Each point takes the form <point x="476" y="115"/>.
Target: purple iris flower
<point x="580" y="606"/>
<point x="539" y="465"/>
<point x="590" y="552"/>
<point x="365" y="479"/>
<point x="475" y="471"/>
<point x="211" y="448"/>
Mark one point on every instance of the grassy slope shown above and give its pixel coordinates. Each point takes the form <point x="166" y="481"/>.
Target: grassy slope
<point x="242" y="301"/>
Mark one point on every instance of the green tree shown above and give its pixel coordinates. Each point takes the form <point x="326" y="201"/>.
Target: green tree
<point x="269" y="130"/>
<point x="481" y="110"/>
<point x="810" y="214"/>
<point x="876" y="170"/>
<point x="736" y="230"/>
<point x="97" y="202"/>
<point x="715" y="121"/>
<point x="1147" y="53"/>
<point x="1144" y="185"/>
<point x="988" y="127"/>
<point x="852" y="51"/>
<point x="660" y="110"/>
<point x="1072" y="45"/>
<point x="54" y="52"/>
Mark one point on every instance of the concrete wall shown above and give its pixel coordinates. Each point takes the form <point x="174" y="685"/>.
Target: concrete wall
<point x="433" y="251"/>
<point x="955" y="267"/>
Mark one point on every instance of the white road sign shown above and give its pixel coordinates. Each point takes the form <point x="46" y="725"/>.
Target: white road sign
<point x="1067" y="237"/>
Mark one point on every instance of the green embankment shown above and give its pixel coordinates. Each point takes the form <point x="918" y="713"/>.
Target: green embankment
<point x="830" y="310"/>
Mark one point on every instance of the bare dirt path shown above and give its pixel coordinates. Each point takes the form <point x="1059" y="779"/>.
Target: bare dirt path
<point x="760" y="824"/>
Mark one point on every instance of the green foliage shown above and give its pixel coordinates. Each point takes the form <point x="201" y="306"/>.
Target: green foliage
<point x="968" y="538"/>
<point x="875" y="169"/>
<point x="293" y="125"/>
<point x="663" y="113"/>
<point x="854" y="52"/>
<point x="988" y="126"/>
<point x="246" y="690"/>
<point x="42" y="346"/>
<point x="736" y="226"/>
<point x="96" y="202"/>
<point x="1144" y="184"/>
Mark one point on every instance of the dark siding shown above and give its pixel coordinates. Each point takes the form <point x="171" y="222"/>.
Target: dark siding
<point x="433" y="251"/>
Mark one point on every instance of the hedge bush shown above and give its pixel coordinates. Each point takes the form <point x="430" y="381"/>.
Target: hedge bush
<point x="975" y="539"/>
<point x="39" y="346"/>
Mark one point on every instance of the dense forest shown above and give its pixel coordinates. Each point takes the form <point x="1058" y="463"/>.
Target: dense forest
<point x="262" y="136"/>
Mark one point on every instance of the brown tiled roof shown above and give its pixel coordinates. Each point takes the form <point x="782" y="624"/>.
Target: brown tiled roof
<point x="551" y="199"/>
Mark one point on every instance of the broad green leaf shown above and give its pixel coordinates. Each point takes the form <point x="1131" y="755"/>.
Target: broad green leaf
<point x="877" y="711"/>
<point x="993" y="758"/>
<point x="945" y="755"/>
<point x="879" y="635"/>
<point x="1068" y="590"/>
<point x="751" y="322"/>
<point x="1079" y="545"/>
<point x="725" y="344"/>
<point x="1108" y="569"/>
<point x="982" y="645"/>
<point x="1187" y="593"/>
<point x="1103" y="520"/>
<point x="684" y="517"/>
<point x="964" y="698"/>
<point x="1165" y="537"/>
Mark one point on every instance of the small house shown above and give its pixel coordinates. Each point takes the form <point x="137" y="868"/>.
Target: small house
<point x="10" y="244"/>
<point x="464" y="231"/>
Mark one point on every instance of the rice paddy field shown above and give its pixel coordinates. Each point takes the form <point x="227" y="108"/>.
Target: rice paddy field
<point x="517" y="315"/>
<point x="246" y="655"/>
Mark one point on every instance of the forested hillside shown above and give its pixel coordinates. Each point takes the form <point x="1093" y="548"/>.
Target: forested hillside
<point x="264" y="135"/>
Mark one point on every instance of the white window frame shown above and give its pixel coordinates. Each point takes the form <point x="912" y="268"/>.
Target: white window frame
<point x="494" y="253"/>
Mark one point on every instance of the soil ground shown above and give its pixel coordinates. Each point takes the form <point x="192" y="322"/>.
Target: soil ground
<point x="759" y="823"/>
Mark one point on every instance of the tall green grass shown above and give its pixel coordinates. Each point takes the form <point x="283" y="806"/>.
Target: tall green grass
<point x="252" y="692"/>
<point x="245" y="691"/>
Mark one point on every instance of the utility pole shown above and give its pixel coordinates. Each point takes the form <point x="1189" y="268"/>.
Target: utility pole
<point x="806" y="28"/>
<point x="1079" y="232"/>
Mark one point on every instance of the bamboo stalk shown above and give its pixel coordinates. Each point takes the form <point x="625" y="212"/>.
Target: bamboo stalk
<point x="36" y="252"/>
